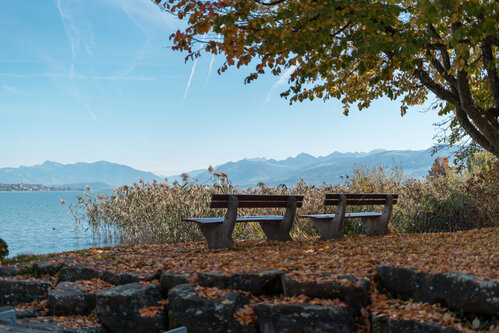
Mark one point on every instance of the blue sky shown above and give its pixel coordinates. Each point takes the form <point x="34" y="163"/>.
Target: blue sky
<point x="96" y="80"/>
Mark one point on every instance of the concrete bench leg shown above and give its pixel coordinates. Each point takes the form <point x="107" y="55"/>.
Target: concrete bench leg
<point x="219" y="236"/>
<point x="375" y="226"/>
<point x="331" y="228"/>
<point x="328" y="228"/>
<point x="279" y="231"/>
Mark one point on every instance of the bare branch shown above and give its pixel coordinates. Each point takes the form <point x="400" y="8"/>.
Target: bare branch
<point x="490" y="67"/>
<point x="273" y="3"/>
<point x="441" y="70"/>
<point x="437" y="89"/>
<point x="471" y="130"/>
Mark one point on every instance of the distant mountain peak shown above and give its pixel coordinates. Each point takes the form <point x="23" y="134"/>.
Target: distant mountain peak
<point x="303" y="156"/>
<point x="256" y="159"/>
<point x="51" y="163"/>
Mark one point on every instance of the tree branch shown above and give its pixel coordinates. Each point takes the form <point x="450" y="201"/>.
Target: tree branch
<point x="441" y="70"/>
<point x="471" y="130"/>
<point x="273" y="3"/>
<point x="437" y="89"/>
<point x="490" y="67"/>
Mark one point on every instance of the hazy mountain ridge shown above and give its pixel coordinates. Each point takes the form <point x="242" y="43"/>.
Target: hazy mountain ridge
<point x="321" y="169"/>
<point x="246" y="172"/>
<point x="102" y="174"/>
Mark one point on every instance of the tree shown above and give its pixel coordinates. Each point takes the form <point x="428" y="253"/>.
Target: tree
<point x="359" y="50"/>
<point x="440" y="167"/>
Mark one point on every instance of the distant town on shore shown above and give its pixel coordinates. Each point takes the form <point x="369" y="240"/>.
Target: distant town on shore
<point x="31" y="188"/>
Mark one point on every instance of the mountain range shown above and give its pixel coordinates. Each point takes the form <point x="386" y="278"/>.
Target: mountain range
<point x="97" y="175"/>
<point x="317" y="170"/>
<point x="246" y="172"/>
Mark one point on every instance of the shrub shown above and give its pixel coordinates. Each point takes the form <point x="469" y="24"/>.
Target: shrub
<point x="4" y="249"/>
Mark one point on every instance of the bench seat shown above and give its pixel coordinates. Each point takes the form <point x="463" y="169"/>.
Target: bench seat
<point x="347" y="215"/>
<point x="220" y="220"/>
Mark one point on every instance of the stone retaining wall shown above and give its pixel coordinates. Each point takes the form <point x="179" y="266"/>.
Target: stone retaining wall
<point x="137" y="304"/>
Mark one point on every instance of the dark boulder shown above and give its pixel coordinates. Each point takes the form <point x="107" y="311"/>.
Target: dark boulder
<point x="44" y="324"/>
<point x="456" y="291"/>
<point x="201" y="314"/>
<point x="349" y="289"/>
<point x="8" y="271"/>
<point x="13" y="292"/>
<point x="260" y="283"/>
<point x="120" y="278"/>
<point x="68" y="299"/>
<point x="118" y="309"/>
<point x="169" y="280"/>
<point x="75" y="273"/>
<point x="47" y="266"/>
<point x="17" y="329"/>
<point x="306" y="318"/>
<point x="382" y="324"/>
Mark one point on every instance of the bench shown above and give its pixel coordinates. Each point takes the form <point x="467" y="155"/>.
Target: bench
<point x="218" y="230"/>
<point x="8" y="316"/>
<point x="329" y="225"/>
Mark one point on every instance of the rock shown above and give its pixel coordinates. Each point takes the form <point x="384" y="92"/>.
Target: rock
<point x="456" y="291"/>
<point x="169" y="280"/>
<point x="8" y="271"/>
<point x="120" y="278"/>
<point x="118" y="309"/>
<point x="13" y="292"/>
<point x="260" y="283"/>
<point x="75" y="273"/>
<point x="10" y="329"/>
<point x="44" y="324"/>
<point x="353" y="291"/>
<point x="44" y="267"/>
<point x="382" y="324"/>
<point x="68" y="299"/>
<point x="281" y="318"/>
<point x="200" y="314"/>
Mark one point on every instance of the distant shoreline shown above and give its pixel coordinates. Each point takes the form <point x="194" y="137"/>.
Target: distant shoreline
<point x="33" y="188"/>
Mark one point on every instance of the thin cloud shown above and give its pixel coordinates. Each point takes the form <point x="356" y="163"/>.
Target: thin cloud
<point x="192" y="72"/>
<point x="211" y="62"/>
<point x="78" y="76"/>
<point x="190" y="79"/>
<point x="91" y="114"/>
<point x="12" y="90"/>
<point x="283" y="79"/>
<point x="147" y="12"/>
<point x="72" y="33"/>
<point x="19" y="76"/>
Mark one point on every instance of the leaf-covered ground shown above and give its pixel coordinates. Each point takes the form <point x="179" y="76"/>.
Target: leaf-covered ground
<point x="473" y="252"/>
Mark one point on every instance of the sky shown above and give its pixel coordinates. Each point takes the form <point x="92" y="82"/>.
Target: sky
<point x="85" y="81"/>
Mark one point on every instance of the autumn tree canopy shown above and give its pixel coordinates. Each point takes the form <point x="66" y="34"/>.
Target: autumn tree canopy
<point x="359" y="50"/>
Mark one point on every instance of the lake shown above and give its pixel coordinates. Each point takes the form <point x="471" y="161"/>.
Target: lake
<point x="37" y="223"/>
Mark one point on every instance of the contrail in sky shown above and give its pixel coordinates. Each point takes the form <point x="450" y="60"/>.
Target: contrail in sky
<point x="192" y="72"/>
<point x="283" y="79"/>
<point x="211" y="62"/>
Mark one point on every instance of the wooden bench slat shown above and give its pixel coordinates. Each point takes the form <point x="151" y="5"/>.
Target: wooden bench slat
<point x="256" y="197"/>
<point x="334" y="202"/>
<point x="360" y="195"/>
<point x="205" y="220"/>
<point x="255" y="204"/>
<point x="219" y="220"/>
<point x="347" y="215"/>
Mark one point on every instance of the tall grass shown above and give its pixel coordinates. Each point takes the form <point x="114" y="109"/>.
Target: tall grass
<point x="152" y="213"/>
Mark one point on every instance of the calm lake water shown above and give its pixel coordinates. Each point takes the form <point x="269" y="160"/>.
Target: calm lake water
<point x="36" y="222"/>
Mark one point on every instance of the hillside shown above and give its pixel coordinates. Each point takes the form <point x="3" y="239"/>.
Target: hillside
<point x="100" y="175"/>
<point x="328" y="169"/>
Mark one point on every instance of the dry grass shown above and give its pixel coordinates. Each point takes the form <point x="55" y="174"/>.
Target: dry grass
<point x="152" y="213"/>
